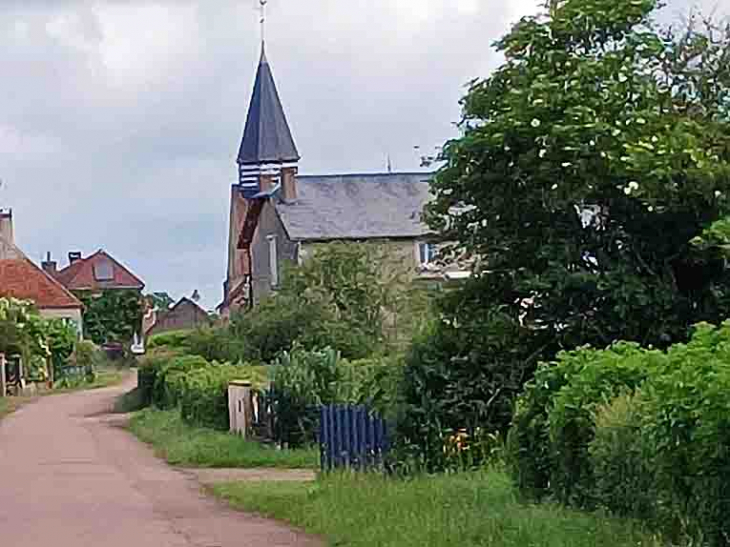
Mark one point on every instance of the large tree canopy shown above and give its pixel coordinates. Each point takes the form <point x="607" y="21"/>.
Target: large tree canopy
<point x="591" y="183"/>
<point x="588" y="163"/>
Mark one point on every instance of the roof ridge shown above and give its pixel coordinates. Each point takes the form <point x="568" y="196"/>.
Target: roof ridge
<point x="57" y="284"/>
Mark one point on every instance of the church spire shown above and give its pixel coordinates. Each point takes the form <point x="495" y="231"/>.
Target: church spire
<point x="267" y="141"/>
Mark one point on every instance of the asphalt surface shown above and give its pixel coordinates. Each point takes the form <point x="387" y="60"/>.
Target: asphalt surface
<point x="71" y="477"/>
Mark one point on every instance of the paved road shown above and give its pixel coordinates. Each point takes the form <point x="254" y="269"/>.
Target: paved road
<point x="70" y="478"/>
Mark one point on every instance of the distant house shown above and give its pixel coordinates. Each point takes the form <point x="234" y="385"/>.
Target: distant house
<point x="278" y="216"/>
<point x="111" y="293"/>
<point x="96" y="273"/>
<point x="185" y="315"/>
<point x="21" y="278"/>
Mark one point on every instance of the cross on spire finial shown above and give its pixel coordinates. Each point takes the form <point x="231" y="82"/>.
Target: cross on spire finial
<point x="262" y="4"/>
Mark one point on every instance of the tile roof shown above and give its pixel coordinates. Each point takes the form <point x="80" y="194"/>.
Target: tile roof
<point x="266" y="136"/>
<point x="81" y="275"/>
<point x="358" y="206"/>
<point x="21" y="278"/>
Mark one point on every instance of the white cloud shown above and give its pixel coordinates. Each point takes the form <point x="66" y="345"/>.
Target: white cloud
<point x="120" y="121"/>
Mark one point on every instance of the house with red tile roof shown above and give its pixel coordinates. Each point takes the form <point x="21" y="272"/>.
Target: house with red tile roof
<point x="95" y="273"/>
<point x="21" y="278"/>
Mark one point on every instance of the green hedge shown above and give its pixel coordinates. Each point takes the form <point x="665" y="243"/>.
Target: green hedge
<point x="204" y="397"/>
<point x="640" y="432"/>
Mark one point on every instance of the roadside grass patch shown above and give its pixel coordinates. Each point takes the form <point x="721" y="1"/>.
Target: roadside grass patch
<point x="469" y="510"/>
<point x="8" y="405"/>
<point x="103" y="377"/>
<point x="185" y="445"/>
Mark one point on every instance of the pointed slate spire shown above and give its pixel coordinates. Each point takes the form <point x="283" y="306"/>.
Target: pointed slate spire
<point x="266" y="137"/>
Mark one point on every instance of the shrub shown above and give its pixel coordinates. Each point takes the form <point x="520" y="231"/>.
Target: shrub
<point x="459" y="378"/>
<point x="204" y="397"/>
<point x="174" y="340"/>
<point x="687" y="422"/>
<point x="303" y="380"/>
<point x="170" y="379"/>
<point x="147" y="372"/>
<point x="621" y="460"/>
<point x="553" y="423"/>
<point x="640" y="432"/>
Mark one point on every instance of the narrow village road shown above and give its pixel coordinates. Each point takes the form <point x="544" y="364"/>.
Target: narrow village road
<point x="70" y="478"/>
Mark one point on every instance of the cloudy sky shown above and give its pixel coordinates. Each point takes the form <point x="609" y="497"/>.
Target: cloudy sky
<point x="120" y="120"/>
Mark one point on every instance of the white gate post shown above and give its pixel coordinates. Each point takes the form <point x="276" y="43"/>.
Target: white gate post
<point x="240" y="407"/>
<point x="3" y="387"/>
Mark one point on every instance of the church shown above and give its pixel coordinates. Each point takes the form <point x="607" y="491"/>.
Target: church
<point x="279" y="216"/>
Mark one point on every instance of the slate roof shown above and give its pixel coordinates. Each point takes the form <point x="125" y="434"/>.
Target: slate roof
<point x="266" y="136"/>
<point x="357" y="206"/>
<point x="80" y="275"/>
<point x="21" y="278"/>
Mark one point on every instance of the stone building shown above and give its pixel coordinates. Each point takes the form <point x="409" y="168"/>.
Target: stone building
<point x="278" y="215"/>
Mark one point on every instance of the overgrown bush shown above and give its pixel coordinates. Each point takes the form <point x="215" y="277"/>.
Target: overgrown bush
<point x="621" y="460"/>
<point x="460" y="378"/>
<point x="553" y="423"/>
<point x="147" y="372"/>
<point x="640" y="432"/>
<point x="173" y="340"/>
<point x="204" y="397"/>
<point x="687" y="423"/>
<point x="303" y="380"/>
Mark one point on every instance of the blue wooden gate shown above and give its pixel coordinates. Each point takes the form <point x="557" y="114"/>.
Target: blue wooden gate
<point x="351" y="437"/>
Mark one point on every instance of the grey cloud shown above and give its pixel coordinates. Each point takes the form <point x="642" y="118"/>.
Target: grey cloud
<point x="120" y="120"/>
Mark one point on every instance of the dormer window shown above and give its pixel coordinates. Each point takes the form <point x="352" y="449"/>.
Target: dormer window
<point x="103" y="270"/>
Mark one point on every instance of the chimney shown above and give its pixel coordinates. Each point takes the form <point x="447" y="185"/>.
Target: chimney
<point x="73" y="256"/>
<point x="49" y="266"/>
<point x="6" y="225"/>
<point x="289" y="184"/>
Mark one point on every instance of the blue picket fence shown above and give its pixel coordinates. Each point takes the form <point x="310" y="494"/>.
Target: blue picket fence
<point x="351" y="437"/>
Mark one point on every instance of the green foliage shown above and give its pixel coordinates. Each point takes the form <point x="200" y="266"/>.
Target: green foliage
<point x="61" y="341"/>
<point x="621" y="460"/>
<point x="204" y="393"/>
<point x="182" y="444"/>
<point x="159" y="300"/>
<point x="686" y="420"/>
<point x="345" y="296"/>
<point x="148" y="370"/>
<point x="173" y="340"/>
<point x="553" y="423"/>
<point x="213" y="344"/>
<point x="461" y="376"/>
<point x="112" y="315"/>
<point x="304" y="380"/>
<point x="24" y="333"/>
<point x="588" y="165"/>
<point x="640" y="432"/>
<point x="468" y="510"/>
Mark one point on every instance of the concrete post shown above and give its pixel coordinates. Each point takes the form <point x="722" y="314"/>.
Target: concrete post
<point x="240" y="407"/>
<point x="3" y="387"/>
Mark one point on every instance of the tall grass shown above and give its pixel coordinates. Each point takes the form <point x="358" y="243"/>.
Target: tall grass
<point x="467" y="510"/>
<point x="182" y="444"/>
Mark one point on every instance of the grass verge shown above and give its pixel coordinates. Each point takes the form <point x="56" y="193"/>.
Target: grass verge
<point x="468" y="510"/>
<point x="9" y="405"/>
<point x="182" y="444"/>
<point x="104" y="377"/>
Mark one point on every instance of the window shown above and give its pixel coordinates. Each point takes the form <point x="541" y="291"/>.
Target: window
<point x="103" y="270"/>
<point x="273" y="261"/>
<point x="426" y="253"/>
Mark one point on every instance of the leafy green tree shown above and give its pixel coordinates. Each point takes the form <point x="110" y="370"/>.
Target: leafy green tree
<point x="588" y="164"/>
<point x="112" y="316"/>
